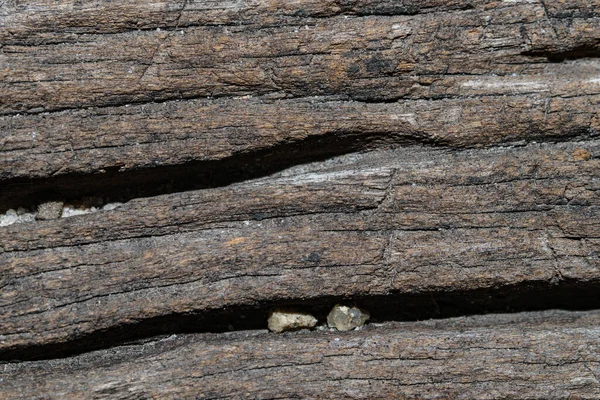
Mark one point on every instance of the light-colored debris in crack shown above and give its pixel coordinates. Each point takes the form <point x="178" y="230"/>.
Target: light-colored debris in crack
<point x="70" y="211"/>
<point x="20" y="215"/>
<point x="88" y="206"/>
<point x="111" y="206"/>
<point x="282" y="320"/>
<point x="56" y="209"/>
<point x="344" y="318"/>
<point x="49" y="210"/>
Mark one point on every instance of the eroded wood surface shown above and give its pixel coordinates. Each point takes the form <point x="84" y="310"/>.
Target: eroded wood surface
<point x="453" y="148"/>
<point x="551" y="355"/>
<point x="407" y="220"/>
<point x="367" y="57"/>
<point x="528" y="69"/>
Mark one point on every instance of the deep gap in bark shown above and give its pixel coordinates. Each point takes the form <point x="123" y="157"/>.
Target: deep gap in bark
<point x="114" y="185"/>
<point x="588" y="51"/>
<point x="573" y="296"/>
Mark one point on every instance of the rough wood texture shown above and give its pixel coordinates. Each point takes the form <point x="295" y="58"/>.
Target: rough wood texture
<point x="493" y="62"/>
<point x="375" y="57"/>
<point x="465" y="358"/>
<point x="172" y="133"/>
<point x="409" y="220"/>
<point x="453" y="149"/>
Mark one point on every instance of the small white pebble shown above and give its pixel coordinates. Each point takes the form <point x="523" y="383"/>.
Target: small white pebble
<point x="13" y="217"/>
<point x="9" y="218"/>
<point x="111" y="206"/>
<point x="70" y="211"/>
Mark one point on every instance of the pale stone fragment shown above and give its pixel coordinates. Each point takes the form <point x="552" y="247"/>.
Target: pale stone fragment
<point x="287" y="320"/>
<point x="345" y="318"/>
<point x="70" y="211"/>
<point x="49" y="210"/>
<point x="112" y="206"/>
<point x="9" y="218"/>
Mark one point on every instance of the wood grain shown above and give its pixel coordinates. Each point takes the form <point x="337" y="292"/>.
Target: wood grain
<point x="404" y="221"/>
<point x="489" y="61"/>
<point x="299" y="152"/>
<point x="126" y="138"/>
<point x="375" y="58"/>
<point x="478" y="61"/>
<point x="551" y="355"/>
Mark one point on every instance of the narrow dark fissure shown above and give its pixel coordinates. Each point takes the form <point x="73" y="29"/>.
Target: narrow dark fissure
<point x="571" y="296"/>
<point x="583" y="51"/>
<point x="115" y="185"/>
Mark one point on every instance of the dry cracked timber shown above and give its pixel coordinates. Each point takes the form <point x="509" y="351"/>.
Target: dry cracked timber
<point x="422" y="159"/>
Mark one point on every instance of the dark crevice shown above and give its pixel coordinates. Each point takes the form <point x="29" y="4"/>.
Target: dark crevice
<point x="114" y="185"/>
<point x="587" y="51"/>
<point x="572" y="296"/>
<point x="405" y="8"/>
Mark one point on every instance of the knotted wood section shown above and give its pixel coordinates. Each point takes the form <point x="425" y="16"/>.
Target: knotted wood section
<point x="422" y="159"/>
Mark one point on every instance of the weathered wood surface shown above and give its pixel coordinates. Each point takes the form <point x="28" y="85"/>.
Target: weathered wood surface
<point x="141" y="136"/>
<point x="375" y="57"/>
<point x="552" y="355"/>
<point x="473" y="132"/>
<point x="477" y="61"/>
<point x="409" y="220"/>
